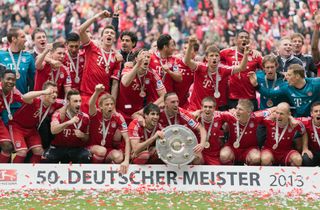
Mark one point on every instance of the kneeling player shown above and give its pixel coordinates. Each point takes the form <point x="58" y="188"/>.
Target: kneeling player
<point x="71" y="127"/>
<point x="278" y="148"/>
<point x="143" y="137"/>
<point x="105" y="124"/>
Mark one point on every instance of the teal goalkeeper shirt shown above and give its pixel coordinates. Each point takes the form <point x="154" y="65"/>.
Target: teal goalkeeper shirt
<point x="267" y="102"/>
<point x="299" y="99"/>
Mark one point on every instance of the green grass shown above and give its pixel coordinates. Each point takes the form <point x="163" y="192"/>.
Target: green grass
<point x="93" y="199"/>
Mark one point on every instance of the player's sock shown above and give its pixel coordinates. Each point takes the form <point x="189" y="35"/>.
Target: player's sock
<point x="35" y="158"/>
<point x="4" y="157"/>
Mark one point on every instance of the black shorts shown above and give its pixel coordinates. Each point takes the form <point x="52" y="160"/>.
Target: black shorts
<point x="66" y="154"/>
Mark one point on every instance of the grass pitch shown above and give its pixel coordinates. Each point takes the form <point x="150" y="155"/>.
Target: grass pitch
<point x="141" y="199"/>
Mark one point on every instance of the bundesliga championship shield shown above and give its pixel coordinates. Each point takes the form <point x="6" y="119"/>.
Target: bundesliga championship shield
<point x="177" y="146"/>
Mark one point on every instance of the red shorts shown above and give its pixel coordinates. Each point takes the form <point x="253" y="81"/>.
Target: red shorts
<point x="240" y="155"/>
<point x="213" y="159"/>
<point x="25" y="138"/>
<point x="4" y="133"/>
<point x="281" y="157"/>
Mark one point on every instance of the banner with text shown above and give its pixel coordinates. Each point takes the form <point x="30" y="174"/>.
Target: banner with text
<point x="159" y="177"/>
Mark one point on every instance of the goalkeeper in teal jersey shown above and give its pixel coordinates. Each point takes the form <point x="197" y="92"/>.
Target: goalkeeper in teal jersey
<point x="299" y="91"/>
<point x="22" y="63"/>
<point x="269" y="78"/>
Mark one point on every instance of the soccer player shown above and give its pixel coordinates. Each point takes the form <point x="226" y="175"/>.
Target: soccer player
<point x="207" y="77"/>
<point x="239" y="84"/>
<point x="74" y="60"/>
<point x="311" y="140"/>
<point x="143" y="138"/>
<point x="102" y="62"/>
<point x="242" y="145"/>
<point x="212" y="122"/>
<point x="182" y="88"/>
<point x="105" y="125"/>
<point x="46" y="71"/>
<point x="9" y="95"/>
<point x="270" y="79"/>
<point x="71" y="129"/>
<point x="286" y="57"/>
<point x="300" y="91"/>
<point x="278" y="147"/>
<point x="173" y="114"/>
<point x="27" y="120"/>
<point x="139" y="85"/>
<point x="22" y="63"/>
<point x="164" y="63"/>
<point x="297" y="40"/>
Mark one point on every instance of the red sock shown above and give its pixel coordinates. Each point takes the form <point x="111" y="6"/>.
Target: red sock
<point x="18" y="159"/>
<point x="35" y="158"/>
<point x="139" y="161"/>
<point x="4" y="157"/>
<point x="97" y="159"/>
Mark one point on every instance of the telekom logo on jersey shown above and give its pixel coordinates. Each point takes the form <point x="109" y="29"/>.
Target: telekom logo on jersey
<point x="298" y="101"/>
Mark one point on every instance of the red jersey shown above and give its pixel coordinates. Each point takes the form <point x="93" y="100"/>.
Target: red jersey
<point x="59" y="76"/>
<point x="97" y="129"/>
<point x="213" y="134"/>
<point x="182" y="88"/>
<point x="247" y="132"/>
<point x="239" y="84"/>
<point x="75" y="68"/>
<point x="313" y="144"/>
<point x="156" y="62"/>
<point x="30" y="115"/>
<point x="67" y="137"/>
<point x="136" y="131"/>
<point x="129" y="100"/>
<point x="205" y="85"/>
<point x="96" y="70"/>
<point x="285" y="135"/>
<point x="182" y="118"/>
<point x="12" y="97"/>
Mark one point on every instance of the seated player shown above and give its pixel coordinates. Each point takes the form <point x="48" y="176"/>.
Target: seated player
<point x="278" y="147"/>
<point x="105" y="125"/>
<point x="27" y="120"/>
<point x="143" y="138"/>
<point x="71" y="129"/>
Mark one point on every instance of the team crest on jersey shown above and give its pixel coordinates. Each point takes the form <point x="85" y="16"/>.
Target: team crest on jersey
<point x="61" y="75"/>
<point x="147" y="81"/>
<point x="124" y="125"/>
<point x="23" y="59"/>
<point x="18" y="144"/>
<point x="175" y="68"/>
<point x="251" y="125"/>
<point x="215" y="124"/>
<point x="309" y="93"/>
<point x="159" y="83"/>
<point x="249" y="58"/>
<point x="191" y="123"/>
<point x="81" y="59"/>
<point x="113" y="124"/>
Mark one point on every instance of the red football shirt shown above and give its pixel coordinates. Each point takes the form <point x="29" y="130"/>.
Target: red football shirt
<point x="67" y="137"/>
<point x="111" y="125"/>
<point x="129" y="101"/>
<point x="156" y="62"/>
<point x="205" y="86"/>
<point x="59" y="76"/>
<point x="136" y="131"/>
<point x="12" y="97"/>
<point x="95" y="71"/>
<point x="28" y="115"/>
<point x="286" y="136"/>
<point x="182" y="88"/>
<point x="239" y="84"/>
<point x="182" y="118"/>
<point x="313" y="144"/>
<point x="78" y="62"/>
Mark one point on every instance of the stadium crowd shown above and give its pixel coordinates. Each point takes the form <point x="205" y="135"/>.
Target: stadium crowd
<point x="97" y="81"/>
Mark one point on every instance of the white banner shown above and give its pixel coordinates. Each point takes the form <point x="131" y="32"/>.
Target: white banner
<point x="159" y="177"/>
